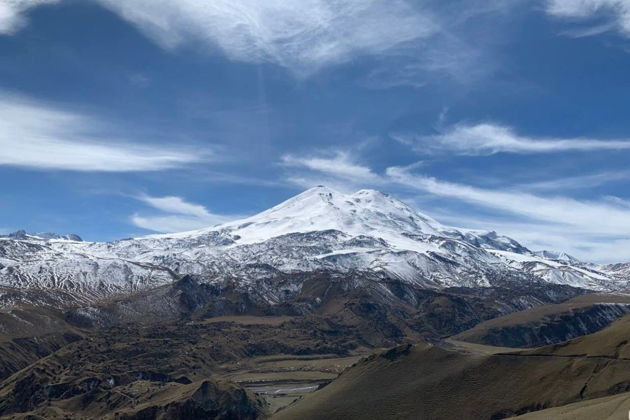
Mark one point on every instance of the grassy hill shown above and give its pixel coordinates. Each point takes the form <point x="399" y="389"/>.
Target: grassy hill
<point x="616" y="407"/>
<point x="428" y="382"/>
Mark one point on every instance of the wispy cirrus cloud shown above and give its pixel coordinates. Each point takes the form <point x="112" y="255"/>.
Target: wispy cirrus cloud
<point x="12" y="13"/>
<point x="462" y="49"/>
<point x="489" y="138"/>
<point x="593" y="217"/>
<point x="176" y="215"/>
<point x="577" y="182"/>
<point x="335" y="169"/>
<point x="618" y="12"/>
<point x="413" y="42"/>
<point x="338" y="164"/>
<point x="302" y="35"/>
<point x="41" y="136"/>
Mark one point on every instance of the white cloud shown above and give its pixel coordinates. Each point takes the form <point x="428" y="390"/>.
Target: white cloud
<point x="36" y="135"/>
<point x="339" y="165"/>
<point x="586" y="9"/>
<point x="465" y="48"/>
<point x="447" y="55"/>
<point x="415" y="44"/>
<point x="12" y="13"/>
<point x="175" y="205"/>
<point x="487" y="138"/>
<point x="170" y="223"/>
<point x="595" y="218"/>
<point x="336" y="170"/>
<point x="177" y="215"/>
<point x="302" y="35"/>
<point x="577" y="182"/>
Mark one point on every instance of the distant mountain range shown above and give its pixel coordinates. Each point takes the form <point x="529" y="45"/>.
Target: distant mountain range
<point x="22" y="234"/>
<point x="367" y="234"/>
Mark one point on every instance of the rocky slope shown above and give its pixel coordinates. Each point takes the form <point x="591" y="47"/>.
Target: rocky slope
<point x="367" y="234"/>
<point x="545" y="325"/>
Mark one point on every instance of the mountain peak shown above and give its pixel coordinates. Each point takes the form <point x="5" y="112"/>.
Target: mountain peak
<point x="369" y="193"/>
<point x="328" y="193"/>
<point x="557" y="256"/>
<point x="321" y="190"/>
<point x="364" y="213"/>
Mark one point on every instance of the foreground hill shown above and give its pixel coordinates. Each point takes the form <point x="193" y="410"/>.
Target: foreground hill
<point x="170" y="369"/>
<point x="616" y="407"/>
<point x="425" y="381"/>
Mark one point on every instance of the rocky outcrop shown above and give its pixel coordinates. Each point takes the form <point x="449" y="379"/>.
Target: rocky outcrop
<point x="553" y="328"/>
<point x="208" y="400"/>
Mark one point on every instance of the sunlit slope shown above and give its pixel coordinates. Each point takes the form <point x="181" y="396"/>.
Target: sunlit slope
<point x="616" y="407"/>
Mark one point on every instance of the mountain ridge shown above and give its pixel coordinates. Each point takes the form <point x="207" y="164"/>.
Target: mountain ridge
<point x="368" y="232"/>
<point x="44" y="236"/>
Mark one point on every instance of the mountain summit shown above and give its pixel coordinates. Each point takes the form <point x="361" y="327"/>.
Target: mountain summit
<point x="364" y="213"/>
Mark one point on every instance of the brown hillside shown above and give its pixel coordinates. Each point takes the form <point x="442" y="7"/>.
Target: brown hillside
<point x="426" y="382"/>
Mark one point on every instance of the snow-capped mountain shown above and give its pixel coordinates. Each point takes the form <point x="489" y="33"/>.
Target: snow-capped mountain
<point x="367" y="233"/>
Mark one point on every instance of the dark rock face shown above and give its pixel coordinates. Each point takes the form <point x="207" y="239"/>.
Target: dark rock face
<point x="556" y="328"/>
<point x="205" y="400"/>
<point x="18" y="353"/>
<point x="397" y="352"/>
<point x="121" y="369"/>
<point x="209" y="401"/>
<point x="383" y="312"/>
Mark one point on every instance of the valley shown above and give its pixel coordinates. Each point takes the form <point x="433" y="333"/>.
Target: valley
<point x="277" y="363"/>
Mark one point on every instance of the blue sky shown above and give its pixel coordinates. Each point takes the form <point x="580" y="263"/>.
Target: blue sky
<point x="122" y="118"/>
